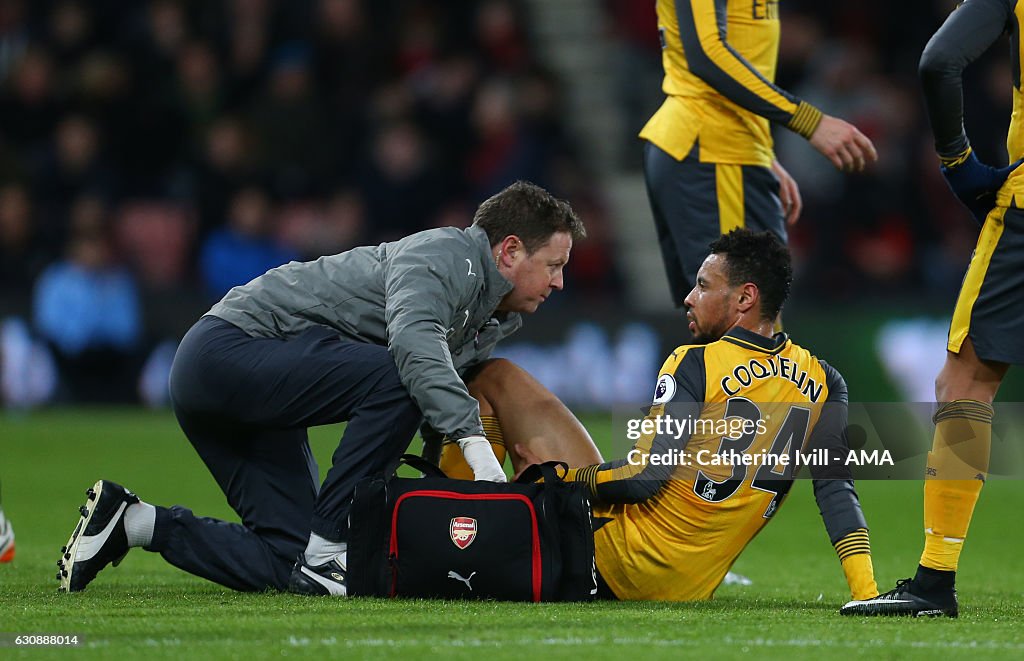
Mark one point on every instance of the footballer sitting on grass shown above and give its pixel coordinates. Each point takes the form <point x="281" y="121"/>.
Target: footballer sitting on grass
<point x="671" y="532"/>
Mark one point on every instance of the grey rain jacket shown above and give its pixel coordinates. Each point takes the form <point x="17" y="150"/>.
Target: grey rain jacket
<point x="430" y="298"/>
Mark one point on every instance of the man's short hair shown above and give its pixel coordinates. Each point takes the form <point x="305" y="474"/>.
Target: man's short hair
<point x="760" y="258"/>
<point x="529" y="212"/>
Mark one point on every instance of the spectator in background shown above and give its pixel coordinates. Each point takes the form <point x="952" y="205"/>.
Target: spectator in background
<point x="22" y="253"/>
<point x="71" y="33"/>
<point x="165" y="109"/>
<point x="419" y="37"/>
<point x="633" y="27"/>
<point x="400" y="183"/>
<point x="200" y="90"/>
<point x="157" y="46"/>
<point x="501" y="36"/>
<point x="504" y="148"/>
<point x="72" y="167"/>
<point x="14" y="35"/>
<point x="157" y="124"/>
<point x="224" y="167"/>
<point x="291" y="125"/>
<point x="327" y="229"/>
<point x="86" y="307"/>
<point x="346" y="61"/>
<point x="245" y="248"/>
<point x="101" y="87"/>
<point x="29" y="107"/>
<point x="246" y="39"/>
<point x="444" y="104"/>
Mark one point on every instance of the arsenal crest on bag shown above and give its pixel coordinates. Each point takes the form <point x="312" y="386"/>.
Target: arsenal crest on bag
<point x="455" y="539"/>
<point x="463" y="531"/>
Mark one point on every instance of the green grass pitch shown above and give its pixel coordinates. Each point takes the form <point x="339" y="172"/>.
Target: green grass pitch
<point x="146" y="608"/>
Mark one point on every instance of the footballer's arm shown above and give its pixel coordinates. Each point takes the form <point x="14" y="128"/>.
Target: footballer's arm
<point x="702" y="26"/>
<point x="680" y="393"/>
<point x="967" y="33"/>
<point x="833" y="489"/>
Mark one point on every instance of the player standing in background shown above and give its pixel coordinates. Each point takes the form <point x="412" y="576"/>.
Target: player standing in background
<point x="987" y="327"/>
<point x="671" y="532"/>
<point x="708" y="160"/>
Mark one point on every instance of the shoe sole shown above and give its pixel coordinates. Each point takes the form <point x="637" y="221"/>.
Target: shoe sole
<point x="66" y="564"/>
<point x="935" y="613"/>
<point x="8" y="555"/>
<point x="938" y="612"/>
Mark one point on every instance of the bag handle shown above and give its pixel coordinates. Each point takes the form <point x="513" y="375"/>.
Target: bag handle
<point x="419" y="463"/>
<point x="546" y="470"/>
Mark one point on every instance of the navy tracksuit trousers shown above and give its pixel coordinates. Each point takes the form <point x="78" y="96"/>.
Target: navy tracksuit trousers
<point x="245" y="404"/>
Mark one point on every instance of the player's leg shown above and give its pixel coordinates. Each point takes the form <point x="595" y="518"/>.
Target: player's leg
<point x="983" y="342"/>
<point x="382" y="421"/>
<point x="312" y="379"/>
<point x="684" y="198"/>
<point x="270" y="479"/>
<point x="266" y="472"/>
<point x="762" y="208"/>
<point x="956" y="470"/>
<point x="518" y="409"/>
<point x="245" y="403"/>
<point x="958" y="461"/>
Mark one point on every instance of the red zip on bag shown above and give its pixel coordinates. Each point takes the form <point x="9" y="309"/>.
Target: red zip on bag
<point x="537" y="578"/>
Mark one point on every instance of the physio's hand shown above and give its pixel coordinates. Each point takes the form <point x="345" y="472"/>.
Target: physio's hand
<point x="843" y="144"/>
<point x="976" y="184"/>
<point x="480" y="457"/>
<point x="789" y="194"/>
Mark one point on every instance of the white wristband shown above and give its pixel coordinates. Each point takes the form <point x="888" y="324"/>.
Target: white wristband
<point x="480" y="457"/>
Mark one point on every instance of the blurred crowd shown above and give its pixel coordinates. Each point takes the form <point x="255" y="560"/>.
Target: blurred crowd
<point x="894" y="231"/>
<point x="163" y="147"/>
<point x="167" y="150"/>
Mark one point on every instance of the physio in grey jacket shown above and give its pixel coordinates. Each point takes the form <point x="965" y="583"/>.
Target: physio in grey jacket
<point x="376" y="336"/>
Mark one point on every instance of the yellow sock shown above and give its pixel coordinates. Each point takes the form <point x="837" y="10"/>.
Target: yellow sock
<point x="454" y="464"/>
<point x="854" y="552"/>
<point x="957" y="468"/>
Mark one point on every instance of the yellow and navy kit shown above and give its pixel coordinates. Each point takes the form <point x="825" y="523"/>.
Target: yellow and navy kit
<point x="670" y="530"/>
<point x="719" y="58"/>
<point x="987" y="309"/>
<point x="970" y="30"/>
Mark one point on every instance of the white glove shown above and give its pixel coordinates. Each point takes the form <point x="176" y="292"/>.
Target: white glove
<point x="480" y="457"/>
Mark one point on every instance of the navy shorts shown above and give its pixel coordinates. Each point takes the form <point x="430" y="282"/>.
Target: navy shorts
<point x="694" y="203"/>
<point x="988" y="309"/>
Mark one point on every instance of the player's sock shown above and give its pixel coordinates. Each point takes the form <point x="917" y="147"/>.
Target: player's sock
<point x="854" y="552"/>
<point x="454" y="464"/>
<point x="320" y="551"/>
<point x="492" y="430"/>
<point x="929" y="581"/>
<point x="957" y="467"/>
<point x="139" y="521"/>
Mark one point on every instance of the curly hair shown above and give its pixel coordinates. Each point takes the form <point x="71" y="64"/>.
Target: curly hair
<point x="760" y="258"/>
<point x="529" y="212"/>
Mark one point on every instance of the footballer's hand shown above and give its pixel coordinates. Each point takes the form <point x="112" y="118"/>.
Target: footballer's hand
<point x="843" y="144"/>
<point x="789" y="194"/>
<point x="480" y="457"/>
<point x="976" y="184"/>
